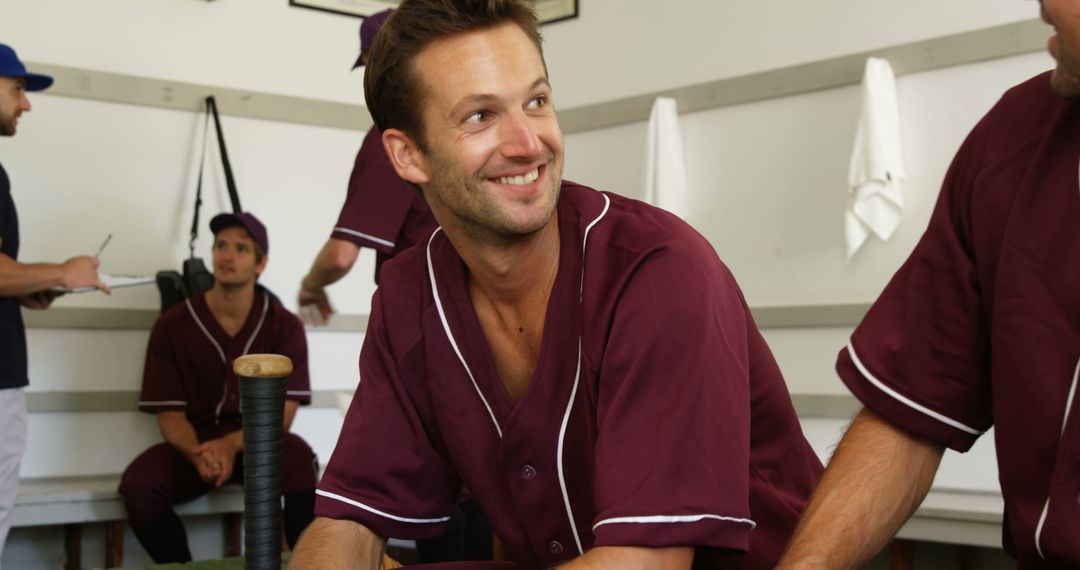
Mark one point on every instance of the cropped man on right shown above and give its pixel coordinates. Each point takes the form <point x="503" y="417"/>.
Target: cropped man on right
<point x="980" y="327"/>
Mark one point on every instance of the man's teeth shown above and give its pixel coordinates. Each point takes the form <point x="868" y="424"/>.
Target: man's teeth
<point x="520" y="180"/>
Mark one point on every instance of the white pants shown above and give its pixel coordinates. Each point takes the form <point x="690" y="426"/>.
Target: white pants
<point x="12" y="445"/>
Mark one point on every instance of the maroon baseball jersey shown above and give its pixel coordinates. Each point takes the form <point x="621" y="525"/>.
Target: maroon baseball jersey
<point x="981" y="325"/>
<point x="656" y="415"/>
<point x="381" y="211"/>
<point x="190" y="357"/>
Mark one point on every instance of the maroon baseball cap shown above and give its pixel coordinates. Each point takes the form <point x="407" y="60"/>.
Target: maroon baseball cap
<point x="369" y="28"/>
<point x="246" y="220"/>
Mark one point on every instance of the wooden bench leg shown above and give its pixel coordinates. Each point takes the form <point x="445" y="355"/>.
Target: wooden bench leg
<point x="73" y="546"/>
<point x="114" y="544"/>
<point x="233" y="525"/>
<point x="902" y="555"/>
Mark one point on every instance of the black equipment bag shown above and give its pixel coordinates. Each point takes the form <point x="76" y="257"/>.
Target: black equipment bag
<point x="196" y="278"/>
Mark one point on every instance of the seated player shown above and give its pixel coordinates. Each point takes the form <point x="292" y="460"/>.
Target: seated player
<point x="582" y="362"/>
<point x="189" y="383"/>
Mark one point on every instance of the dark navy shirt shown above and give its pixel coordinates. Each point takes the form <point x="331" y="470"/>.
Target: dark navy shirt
<point x="12" y="333"/>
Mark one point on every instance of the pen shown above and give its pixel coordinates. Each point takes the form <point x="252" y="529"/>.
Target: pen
<point x="103" y="244"/>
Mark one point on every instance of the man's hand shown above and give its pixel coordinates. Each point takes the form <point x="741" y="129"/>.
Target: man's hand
<point x="315" y="305"/>
<point x="220" y="454"/>
<point x="39" y="300"/>
<point x="207" y="471"/>
<point x="82" y="272"/>
<point x="334" y="261"/>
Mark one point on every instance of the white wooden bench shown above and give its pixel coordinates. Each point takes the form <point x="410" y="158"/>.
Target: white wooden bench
<point x="72" y="502"/>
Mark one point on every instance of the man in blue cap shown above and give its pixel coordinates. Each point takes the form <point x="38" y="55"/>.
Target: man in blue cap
<point x="21" y="285"/>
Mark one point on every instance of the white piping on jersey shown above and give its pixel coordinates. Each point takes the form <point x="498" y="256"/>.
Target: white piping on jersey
<point x="258" y="327"/>
<point x="559" y="450"/>
<point x="202" y="327"/>
<point x="1068" y="408"/>
<point x="573" y="391"/>
<point x="673" y="519"/>
<point x="163" y="403"/>
<point x="904" y="400"/>
<point x="373" y="510"/>
<point x="221" y="353"/>
<point x="1064" y="422"/>
<point x="368" y="237"/>
<point x="450" y="335"/>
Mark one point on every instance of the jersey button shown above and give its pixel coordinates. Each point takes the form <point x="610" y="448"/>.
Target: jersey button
<point x="527" y="472"/>
<point x="555" y="547"/>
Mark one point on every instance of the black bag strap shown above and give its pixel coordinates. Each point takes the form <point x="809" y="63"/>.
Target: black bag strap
<point x="229" y="181"/>
<point x="198" y="190"/>
<point x="234" y="196"/>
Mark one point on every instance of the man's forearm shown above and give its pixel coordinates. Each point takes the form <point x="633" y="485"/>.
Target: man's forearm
<point x="334" y="261"/>
<point x="330" y="544"/>
<point x="19" y="279"/>
<point x="633" y="558"/>
<point x="878" y="476"/>
<point x="178" y="432"/>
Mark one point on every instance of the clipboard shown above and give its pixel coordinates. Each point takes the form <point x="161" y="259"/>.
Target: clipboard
<point x="113" y="280"/>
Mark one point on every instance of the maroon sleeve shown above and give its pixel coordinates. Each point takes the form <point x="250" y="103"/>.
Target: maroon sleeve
<point x="673" y="409"/>
<point x="920" y="356"/>
<point x="162" y="387"/>
<point x="291" y="341"/>
<point x="378" y="201"/>
<point x="384" y="472"/>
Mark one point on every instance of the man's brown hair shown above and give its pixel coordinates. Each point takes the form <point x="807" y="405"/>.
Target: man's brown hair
<point x="392" y="89"/>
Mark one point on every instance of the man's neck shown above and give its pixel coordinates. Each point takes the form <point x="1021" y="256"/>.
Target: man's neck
<point x="231" y="305"/>
<point x="510" y="285"/>
<point x="511" y="273"/>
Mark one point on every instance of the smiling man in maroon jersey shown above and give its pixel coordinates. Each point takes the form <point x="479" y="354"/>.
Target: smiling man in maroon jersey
<point x="582" y="362"/>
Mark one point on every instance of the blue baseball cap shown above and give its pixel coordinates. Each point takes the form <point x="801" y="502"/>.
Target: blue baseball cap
<point x="10" y="66"/>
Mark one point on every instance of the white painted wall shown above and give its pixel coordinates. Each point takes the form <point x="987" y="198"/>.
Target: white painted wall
<point x="768" y="180"/>
<point x="629" y="47"/>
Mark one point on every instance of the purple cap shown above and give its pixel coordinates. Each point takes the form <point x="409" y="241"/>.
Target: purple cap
<point x="245" y="220"/>
<point x="369" y="28"/>
<point x="10" y="66"/>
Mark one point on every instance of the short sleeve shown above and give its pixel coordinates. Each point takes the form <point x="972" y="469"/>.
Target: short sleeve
<point x="162" y="388"/>
<point x="384" y="472"/>
<point x="673" y="409"/>
<point x="920" y="357"/>
<point x="292" y="342"/>
<point x="377" y="202"/>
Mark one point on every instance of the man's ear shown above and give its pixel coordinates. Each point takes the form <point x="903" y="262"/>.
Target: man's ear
<point x="406" y="156"/>
<point x="261" y="266"/>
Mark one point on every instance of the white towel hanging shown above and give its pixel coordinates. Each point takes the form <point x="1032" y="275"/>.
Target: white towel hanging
<point x="665" y="171"/>
<point x="874" y="200"/>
